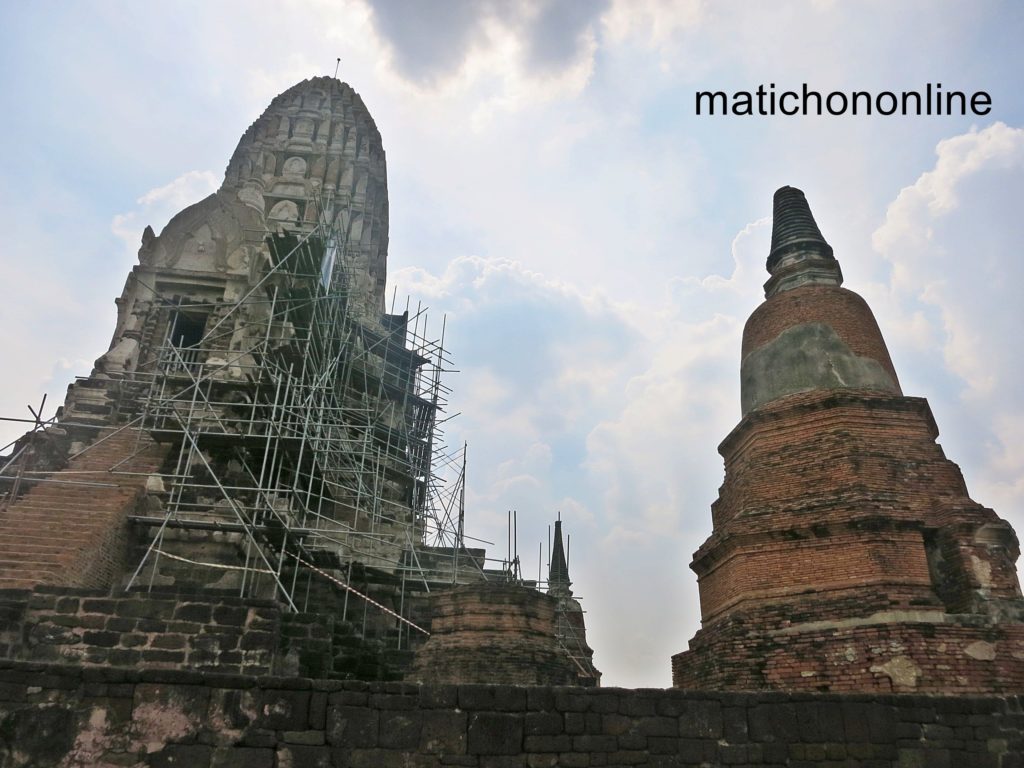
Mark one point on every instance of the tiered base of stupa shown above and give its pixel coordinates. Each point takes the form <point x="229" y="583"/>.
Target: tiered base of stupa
<point x="847" y="556"/>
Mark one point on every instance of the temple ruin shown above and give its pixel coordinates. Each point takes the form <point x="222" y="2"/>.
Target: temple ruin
<point x="263" y="441"/>
<point x="241" y="541"/>
<point x="846" y="554"/>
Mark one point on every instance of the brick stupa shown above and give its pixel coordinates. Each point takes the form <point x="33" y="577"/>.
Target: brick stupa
<point x="846" y="554"/>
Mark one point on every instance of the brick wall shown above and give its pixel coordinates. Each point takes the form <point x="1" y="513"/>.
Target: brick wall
<point x="783" y="648"/>
<point x="760" y="569"/>
<point x="500" y="633"/>
<point x="842" y="530"/>
<point x="72" y="528"/>
<point x="76" y="717"/>
<point x="162" y="629"/>
<point x="844" y="311"/>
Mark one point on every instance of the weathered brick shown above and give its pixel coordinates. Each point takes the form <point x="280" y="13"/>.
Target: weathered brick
<point x="593" y="743"/>
<point x="243" y="757"/>
<point x="182" y="756"/>
<point x="193" y="612"/>
<point x="101" y="638"/>
<point x="542" y="723"/>
<point x="298" y="756"/>
<point x="352" y="726"/>
<point x="548" y="743"/>
<point x="146" y="609"/>
<point x="501" y="698"/>
<point x="229" y="615"/>
<point x="443" y="731"/>
<point x="494" y="734"/>
<point x="400" y="730"/>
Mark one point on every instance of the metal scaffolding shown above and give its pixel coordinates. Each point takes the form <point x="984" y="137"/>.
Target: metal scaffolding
<point x="313" y="432"/>
<point x="305" y="435"/>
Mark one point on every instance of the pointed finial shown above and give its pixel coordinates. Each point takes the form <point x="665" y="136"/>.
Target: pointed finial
<point x="799" y="254"/>
<point x="558" y="575"/>
<point x="794" y="229"/>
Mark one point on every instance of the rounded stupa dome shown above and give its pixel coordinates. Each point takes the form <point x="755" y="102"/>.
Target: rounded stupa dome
<point x="810" y="333"/>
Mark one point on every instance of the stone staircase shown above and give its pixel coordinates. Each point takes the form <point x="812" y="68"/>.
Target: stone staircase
<point x="72" y="530"/>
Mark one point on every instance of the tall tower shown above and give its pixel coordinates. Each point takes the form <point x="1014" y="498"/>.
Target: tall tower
<point x="287" y="419"/>
<point x="846" y="554"/>
<point x="570" y="626"/>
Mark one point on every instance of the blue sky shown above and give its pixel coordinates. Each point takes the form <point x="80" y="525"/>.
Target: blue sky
<point x="595" y="246"/>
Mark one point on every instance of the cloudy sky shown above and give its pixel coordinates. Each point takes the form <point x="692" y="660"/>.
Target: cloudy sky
<point x="595" y="245"/>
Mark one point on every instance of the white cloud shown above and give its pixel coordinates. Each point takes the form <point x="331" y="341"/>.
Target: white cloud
<point x="492" y="57"/>
<point x="607" y="412"/>
<point x="157" y="206"/>
<point x="599" y="317"/>
<point x="654" y="22"/>
<point x="953" y="238"/>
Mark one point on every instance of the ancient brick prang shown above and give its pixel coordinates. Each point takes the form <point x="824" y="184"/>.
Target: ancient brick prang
<point x="846" y="553"/>
<point x="497" y="633"/>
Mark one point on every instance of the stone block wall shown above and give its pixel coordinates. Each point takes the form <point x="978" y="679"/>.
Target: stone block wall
<point x="73" y="717"/>
<point x="165" y="629"/>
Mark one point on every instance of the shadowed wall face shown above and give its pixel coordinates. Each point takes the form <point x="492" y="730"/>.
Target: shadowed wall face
<point x="160" y="718"/>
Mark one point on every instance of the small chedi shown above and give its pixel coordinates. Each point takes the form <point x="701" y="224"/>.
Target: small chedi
<point x="252" y="478"/>
<point x="846" y="554"/>
<point x="507" y="634"/>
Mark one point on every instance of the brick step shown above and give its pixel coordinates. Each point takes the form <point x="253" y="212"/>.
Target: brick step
<point x="101" y="483"/>
<point x="118" y="447"/>
<point x="43" y="538"/>
<point x="72" y="541"/>
<point x="51" y="492"/>
<point x="20" y="547"/>
<point x="69" y="504"/>
<point x="56" y="517"/>
<point x="57" y="522"/>
<point x="60" y="512"/>
<point x="56" y="528"/>
<point x="24" y="572"/>
<point x="16" y="567"/>
<point x="22" y="583"/>
<point x="31" y="541"/>
<point x="52" y="531"/>
<point x="52" y="557"/>
<point x="53" y="506"/>
<point x="17" y="511"/>
<point x="71" y="501"/>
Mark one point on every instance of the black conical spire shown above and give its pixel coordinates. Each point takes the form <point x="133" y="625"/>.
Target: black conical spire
<point x="794" y="229"/>
<point x="558" y="574"/>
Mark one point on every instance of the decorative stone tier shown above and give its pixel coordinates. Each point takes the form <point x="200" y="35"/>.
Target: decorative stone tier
<point x="847" y="555"/>
<point x="495" y="633"/>
<point x="830" y="489"/>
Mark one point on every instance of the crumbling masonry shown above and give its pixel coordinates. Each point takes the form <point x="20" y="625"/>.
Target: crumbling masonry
<point x="846" y="554"/>
<point x="261" y="448"/>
